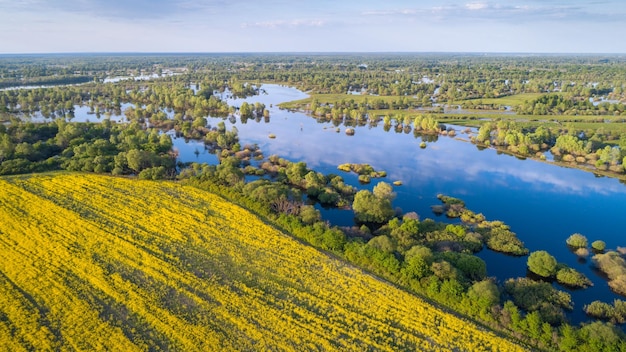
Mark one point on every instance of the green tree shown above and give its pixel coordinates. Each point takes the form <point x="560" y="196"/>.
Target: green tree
<point x="296" y="173"/>
<point x="309" y="214"/>
<point x="370" y="208"/>
<point x="542" y="263"/>
<point x="383" y="190"/>
<point x="571" y="277"/>
<point x="568" y="339"/>
<point x="576" y="241"/>
<point x="245" y="110"/>
<point x="415" y="267"/>
<point x="599" y="336"/>
<point x="138" y="159"/>
<point x="598" y="245"/>
<point x="485" y="292"/>
<point x="333" y="240"/>
<point x="484" y="133"/>
<point x="383" y="242"/>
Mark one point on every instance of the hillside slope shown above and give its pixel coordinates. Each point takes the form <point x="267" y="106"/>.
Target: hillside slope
<point x="102" y="263"/>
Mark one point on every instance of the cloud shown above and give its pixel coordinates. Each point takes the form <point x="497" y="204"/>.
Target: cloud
<point x="389" y="12"/>
<point x="476" y="6"/>
<point x="114" y="9"/>
<point x="519" y="12"/>
<point x="285" y="23"/>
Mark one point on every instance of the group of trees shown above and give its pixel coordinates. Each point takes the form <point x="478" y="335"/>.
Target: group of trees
<point x="374" y="207"/>
<point x="546" y="266"/>
<point x="560" y="104"/>
<point x="457" y="76"/>
<point x="119" y="149"/>
<point x="148" y="98"/>
<point x="598" y="149"/>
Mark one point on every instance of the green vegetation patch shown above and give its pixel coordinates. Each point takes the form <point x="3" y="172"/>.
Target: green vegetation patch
<point x="362" y="170"/>
<point x="509" y="100"/>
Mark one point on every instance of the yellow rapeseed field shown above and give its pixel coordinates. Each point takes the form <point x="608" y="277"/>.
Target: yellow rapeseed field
<point x="98" y="263"/>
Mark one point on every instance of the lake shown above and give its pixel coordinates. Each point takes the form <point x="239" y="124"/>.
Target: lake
<point x="542" y="202"/>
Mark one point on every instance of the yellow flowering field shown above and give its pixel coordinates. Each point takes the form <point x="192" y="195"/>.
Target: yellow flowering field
<point x="93" y="263"/>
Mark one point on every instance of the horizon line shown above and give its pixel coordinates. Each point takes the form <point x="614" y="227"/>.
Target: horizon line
<point x="486" y="53"/>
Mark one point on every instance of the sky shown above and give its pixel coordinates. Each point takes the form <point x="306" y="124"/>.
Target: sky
<point x="507" y="26"/>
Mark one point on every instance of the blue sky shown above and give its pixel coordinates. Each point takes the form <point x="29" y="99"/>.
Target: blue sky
<point x="542" y="26"/>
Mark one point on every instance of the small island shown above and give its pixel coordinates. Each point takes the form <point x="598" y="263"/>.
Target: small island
<point x="365" y="171"/>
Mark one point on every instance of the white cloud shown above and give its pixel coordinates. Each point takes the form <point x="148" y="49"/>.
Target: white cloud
<point x="285" y="23"/>
<point x="476" y="6"/>
<point x="389" y="12"/>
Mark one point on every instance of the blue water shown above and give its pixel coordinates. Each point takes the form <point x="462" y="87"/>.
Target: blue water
<point x="192" y="151"/>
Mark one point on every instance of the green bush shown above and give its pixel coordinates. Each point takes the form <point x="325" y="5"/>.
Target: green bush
<point x="571" y="277"/>
<point x="598" y="245"/>
<point x="152" y="173"/>
<point x="539" y="296"/>
<point x="600" y="310"/>
<point x="542" y="263"/>
<point x="576" y="241"/>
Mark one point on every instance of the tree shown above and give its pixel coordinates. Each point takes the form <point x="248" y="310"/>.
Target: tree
<point x="415" y="267"/>
<point x="370" y="208"/>
<point x="199" y="122"/>
<point x="598" y="245"/>
<point x="383" y="190"/>
<point x="601" y="336"/>
<point x="569" y="340"/>
<point x="472" y="266"/>
<point x="245" y="110"/>
<point x="571" y="277"/>
<point x="138" y="159"/>
<point x="296" y="172"/>
<point x="484" y="133"/>
<point x="152" y="173"/>
<point x="384" y="243"/>
<point x="542" y="263"/>
<point x="309" y="214"/>
<point x="576" y="241"/>
<point x="6" y="147"/>
<point x="333" y="239"/>
<point x="485" y="292"/>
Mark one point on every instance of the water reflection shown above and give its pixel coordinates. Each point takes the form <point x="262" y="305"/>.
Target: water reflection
<point x="80" y="113"/>
<point x="191" y="151"/>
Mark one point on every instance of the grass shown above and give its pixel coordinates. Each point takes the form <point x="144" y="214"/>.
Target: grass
<point x="334" y="98"/>
<point x="510" y="100"/>
<point x="583" y="123"/>
<point x="103" y="263"/>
